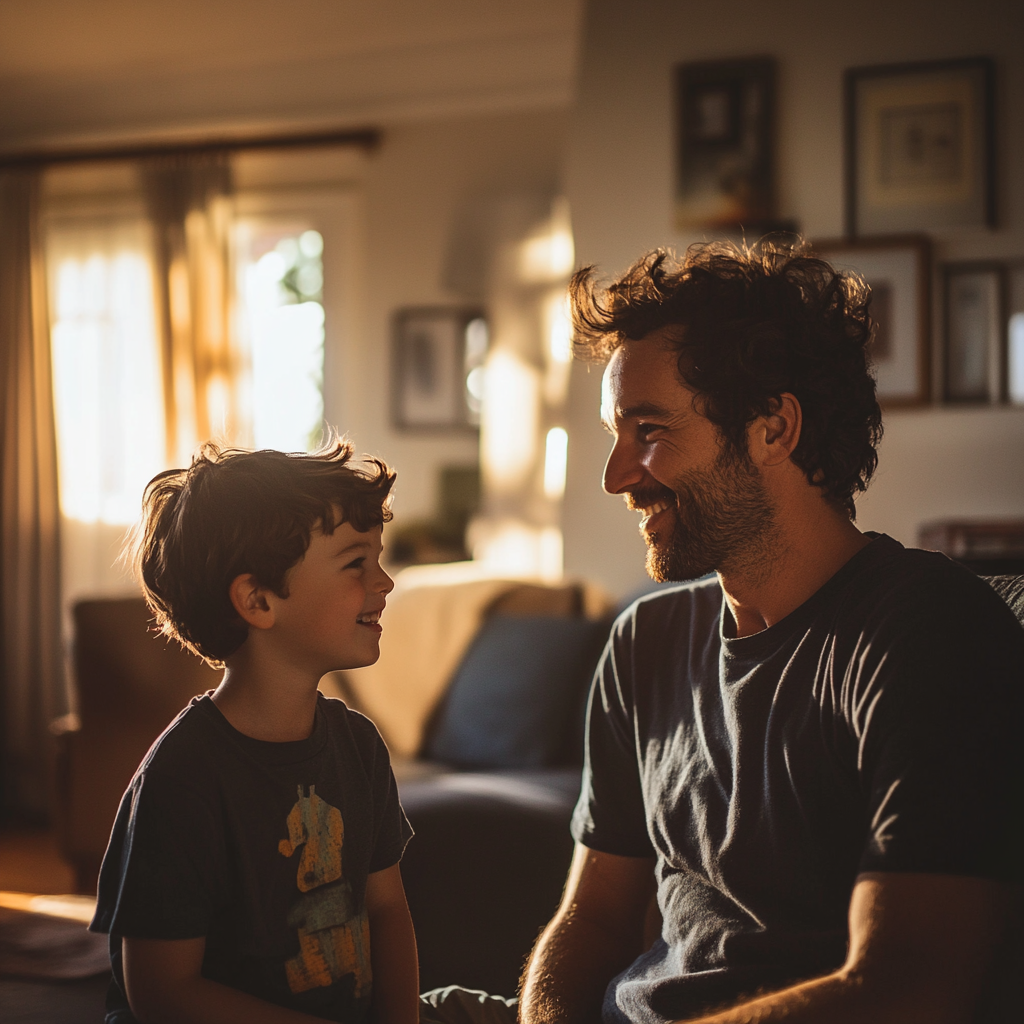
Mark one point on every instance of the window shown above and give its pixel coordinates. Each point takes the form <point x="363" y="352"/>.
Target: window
<point x="106" y="377"/>
<point x="281" y="297"/>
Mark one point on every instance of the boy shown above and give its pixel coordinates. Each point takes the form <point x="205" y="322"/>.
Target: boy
<point x="252" y="872"/>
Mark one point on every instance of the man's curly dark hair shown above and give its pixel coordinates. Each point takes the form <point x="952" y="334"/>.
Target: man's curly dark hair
<point x="754" y="322"/>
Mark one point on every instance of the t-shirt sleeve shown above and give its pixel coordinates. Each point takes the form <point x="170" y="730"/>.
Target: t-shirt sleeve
<point x="610" y="816"/>
<point x="392" y="830"/>
<point x="937" y="721"/>
<point x="164" y="874"/>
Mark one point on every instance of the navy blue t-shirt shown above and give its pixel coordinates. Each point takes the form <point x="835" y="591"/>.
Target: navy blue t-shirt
<point x="264" y="849"/>
<point x="875" y="728"/>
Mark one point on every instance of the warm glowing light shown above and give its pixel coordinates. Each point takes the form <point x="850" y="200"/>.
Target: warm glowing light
<point x="556" y="449"/>
<point x="1016" y="360"/>
<point x="549" y="255"/>
<point x="284" y="325"/>
<point x="106" y="378"/>
<point x="508" y="441"/>
<point x="558" y="321"/>
<point x="549" y="551"/>
<point x="510" y="547"/>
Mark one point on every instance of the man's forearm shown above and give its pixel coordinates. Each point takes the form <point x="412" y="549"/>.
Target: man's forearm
<point x="841" y="998"/>
<point x="569" y="971"/>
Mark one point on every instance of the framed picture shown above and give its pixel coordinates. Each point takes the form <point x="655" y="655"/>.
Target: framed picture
<point x="725" y="160"/>
<point x="432" y="347"/>
<point x="974" y="353"/>
<point x="919" y="147"/>
<point x="898" y="271"/>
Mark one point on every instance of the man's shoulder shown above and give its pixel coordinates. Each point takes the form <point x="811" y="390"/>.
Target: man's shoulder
<point x="923" y="604"/>
<point x="909" y="579"/>
<point x="677" y="598"/>
<point x="681" y="611"/>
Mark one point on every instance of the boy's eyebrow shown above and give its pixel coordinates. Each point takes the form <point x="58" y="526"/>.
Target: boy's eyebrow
<point x="355" y="545"/>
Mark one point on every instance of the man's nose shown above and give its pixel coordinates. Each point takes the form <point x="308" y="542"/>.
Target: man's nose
<point x="623" y="471"/>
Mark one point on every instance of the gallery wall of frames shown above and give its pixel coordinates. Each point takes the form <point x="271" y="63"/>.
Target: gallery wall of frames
<point x="919" y="157"/>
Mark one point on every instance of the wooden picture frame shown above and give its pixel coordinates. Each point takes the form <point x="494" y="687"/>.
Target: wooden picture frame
<point x="429" y="368"/>
<point x="920" y="146"/>
<point x="974" y="351"/>
<point x="725" y="144"/>
<point x="898" y="270"/>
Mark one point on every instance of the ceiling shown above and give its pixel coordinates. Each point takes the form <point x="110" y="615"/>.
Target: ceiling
<point x="119" y="70"/>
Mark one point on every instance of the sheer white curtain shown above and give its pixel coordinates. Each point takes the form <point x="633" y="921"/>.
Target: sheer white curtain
<point x="107" y="389"/>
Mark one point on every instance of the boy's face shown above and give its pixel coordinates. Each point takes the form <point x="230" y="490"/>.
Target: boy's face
<point x="335" y="596"/>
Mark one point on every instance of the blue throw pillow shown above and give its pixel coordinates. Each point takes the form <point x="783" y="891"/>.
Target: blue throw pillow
<point x="516" y="696"/>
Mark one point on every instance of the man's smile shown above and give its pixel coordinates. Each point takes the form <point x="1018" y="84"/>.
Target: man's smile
<point x="650" y="505"/>
<point x="651" y="511"/>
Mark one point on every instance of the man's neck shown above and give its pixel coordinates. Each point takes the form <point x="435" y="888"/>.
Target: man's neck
<point x="802" y="555"/>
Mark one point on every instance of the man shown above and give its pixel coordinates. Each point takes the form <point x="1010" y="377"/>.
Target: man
<point x="809" y="760"/>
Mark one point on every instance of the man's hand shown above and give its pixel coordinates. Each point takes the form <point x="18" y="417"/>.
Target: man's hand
<point x="165" y="986"/>
<point x="596" y="932"/>
<point x="921" y="951"/>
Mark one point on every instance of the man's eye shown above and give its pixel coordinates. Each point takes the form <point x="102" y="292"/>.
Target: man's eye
<point x="646" y="429"/>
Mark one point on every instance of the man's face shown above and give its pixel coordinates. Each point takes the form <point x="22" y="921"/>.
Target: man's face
<point x="703" y="504"/>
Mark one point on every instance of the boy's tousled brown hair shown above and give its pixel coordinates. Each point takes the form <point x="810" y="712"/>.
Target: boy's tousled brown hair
<point x="234" y="512"/>
<point x="754" y="323"/>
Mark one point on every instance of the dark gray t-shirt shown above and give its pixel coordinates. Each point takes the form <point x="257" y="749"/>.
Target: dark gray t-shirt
<point x="875" y="728"/>
<point x="264" y="849"/>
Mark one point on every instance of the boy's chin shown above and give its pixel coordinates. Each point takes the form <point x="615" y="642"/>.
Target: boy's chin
<point x="354" y="662"/>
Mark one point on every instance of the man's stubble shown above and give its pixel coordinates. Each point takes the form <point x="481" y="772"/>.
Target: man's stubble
<point x="722" y="520"/>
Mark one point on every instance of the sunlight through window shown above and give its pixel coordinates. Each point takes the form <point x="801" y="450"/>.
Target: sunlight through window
<point x="282" y="297"/>
<point x="106" y="378"/>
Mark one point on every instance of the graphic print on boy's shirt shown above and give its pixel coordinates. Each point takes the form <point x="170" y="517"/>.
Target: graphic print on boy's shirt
<point x="334" y="936"/>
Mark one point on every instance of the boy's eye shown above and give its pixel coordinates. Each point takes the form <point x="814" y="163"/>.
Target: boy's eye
<point x="356" y="563"/>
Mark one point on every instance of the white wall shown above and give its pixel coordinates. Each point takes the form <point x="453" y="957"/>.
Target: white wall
<point x="935" y="462"/>
<point x="425" y="242"/>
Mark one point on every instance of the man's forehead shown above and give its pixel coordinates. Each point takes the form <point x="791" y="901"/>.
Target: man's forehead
<point x="642" y="378"/>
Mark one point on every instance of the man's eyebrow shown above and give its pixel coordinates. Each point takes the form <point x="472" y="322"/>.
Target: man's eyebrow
<point x="643" y="409"/>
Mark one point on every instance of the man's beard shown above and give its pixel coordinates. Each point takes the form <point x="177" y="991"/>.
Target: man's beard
<point x="722" y="519"/>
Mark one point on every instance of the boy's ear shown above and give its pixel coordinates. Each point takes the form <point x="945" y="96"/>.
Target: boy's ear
<point x="250" y="601"/>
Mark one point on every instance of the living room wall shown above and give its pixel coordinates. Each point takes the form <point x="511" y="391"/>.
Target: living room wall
<point x="935" y="462"/>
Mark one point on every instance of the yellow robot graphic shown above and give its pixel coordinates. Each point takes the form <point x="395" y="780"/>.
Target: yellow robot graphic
<point x="334" y="939"/>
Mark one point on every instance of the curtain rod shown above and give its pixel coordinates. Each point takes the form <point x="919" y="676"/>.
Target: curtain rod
<point x="364" y="138"/>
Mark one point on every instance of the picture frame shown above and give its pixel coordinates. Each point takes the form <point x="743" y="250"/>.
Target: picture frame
<point x="920" y="144"/>
<point x="898" y="269"/>
<point x="725" y="144"/>
<point x="429" y="368"/>
<point x="974" y="352"/>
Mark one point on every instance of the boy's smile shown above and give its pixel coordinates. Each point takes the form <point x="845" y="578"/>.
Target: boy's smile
<point x="330" y="618"/>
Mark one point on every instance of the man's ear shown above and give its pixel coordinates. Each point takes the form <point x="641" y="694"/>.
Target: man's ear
<point x="249" y="599"/>
<point x="773" y="438"/>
